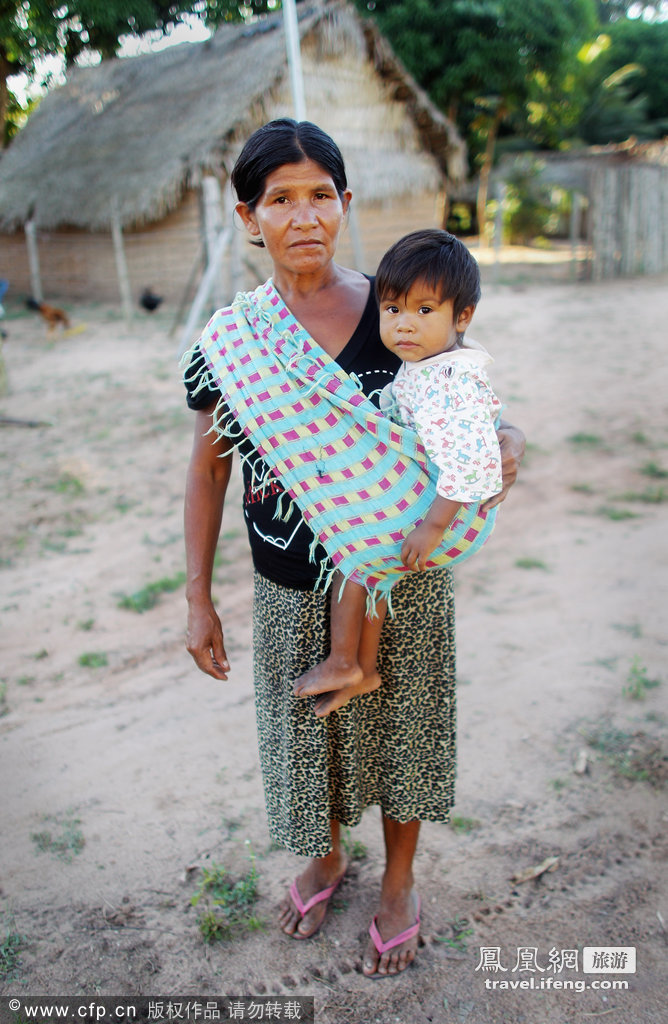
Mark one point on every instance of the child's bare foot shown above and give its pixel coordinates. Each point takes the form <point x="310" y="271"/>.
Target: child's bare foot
<point x="329" y="675"/>
<point x="337" y="698"/>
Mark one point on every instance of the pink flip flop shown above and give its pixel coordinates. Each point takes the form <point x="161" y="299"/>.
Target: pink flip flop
<point x="383" y="947"/>
<point x="303" y="908"/>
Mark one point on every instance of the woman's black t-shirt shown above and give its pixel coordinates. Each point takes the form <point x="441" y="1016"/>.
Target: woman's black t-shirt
<point x="280" y="549"/>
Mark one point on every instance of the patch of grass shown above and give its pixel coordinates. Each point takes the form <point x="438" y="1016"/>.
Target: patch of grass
<point x="583" y="488"/>
<point x="227" y="904"/>
<point x="531" y="563"/>
<point x="638" y="682"/>
<point x="634" y="629"/>
<point x="25" y="680"/>
<point x="650" y="496"/>
<point x="4" y="707"/>
<point x="149" y="595"/>
<point x="10" y="948"/>
<point x="40" y="655"/>
<point x="69" y="484"/>
<point x="638" y="437"/>
<point x="558" y="784"/>
<point x="633" y="756"/>
<point x="64" y="843"/>
<point x="86" y="625"/>
<point x="93" y="659"/>
<point x="355" y="849"/>
<point x="584" y="440"/>
<point x="462" y="825"/>
<point x="461" y="931"/>
<point x="654" y="471"/>
<point x="616" y="514"/>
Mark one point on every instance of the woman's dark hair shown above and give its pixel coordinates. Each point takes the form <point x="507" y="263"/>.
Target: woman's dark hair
<point x="279" y="142"/>
<point x="435" y="257"/>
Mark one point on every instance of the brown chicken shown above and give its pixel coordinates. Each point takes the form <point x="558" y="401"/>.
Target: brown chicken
<point x="51" y="314"/>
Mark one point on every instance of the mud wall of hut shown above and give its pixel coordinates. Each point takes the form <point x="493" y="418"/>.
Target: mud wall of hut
<point x="79" y="267"/>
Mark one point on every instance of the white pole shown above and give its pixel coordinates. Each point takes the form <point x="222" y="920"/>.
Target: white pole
<point x="33" y="260"/>
<point x="294" y="58"/>
<point x="121" y="263"/>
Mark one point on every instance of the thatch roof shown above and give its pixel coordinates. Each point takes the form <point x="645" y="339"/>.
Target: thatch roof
<point x="137" y="132"/>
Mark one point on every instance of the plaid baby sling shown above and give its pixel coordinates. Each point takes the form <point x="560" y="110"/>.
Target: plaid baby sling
<point x="360" y="481"/>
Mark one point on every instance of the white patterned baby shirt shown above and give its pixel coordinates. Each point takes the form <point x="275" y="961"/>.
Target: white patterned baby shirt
<point x="448" y="400"/>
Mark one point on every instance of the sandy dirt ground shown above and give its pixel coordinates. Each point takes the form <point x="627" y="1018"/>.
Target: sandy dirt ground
<point x="127" y="775"/>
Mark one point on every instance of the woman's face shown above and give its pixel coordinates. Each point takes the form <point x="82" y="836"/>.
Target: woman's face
<point x="298" y="217"/>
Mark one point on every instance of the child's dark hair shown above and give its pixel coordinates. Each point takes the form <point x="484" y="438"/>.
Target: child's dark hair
<point x="435" y="257"/>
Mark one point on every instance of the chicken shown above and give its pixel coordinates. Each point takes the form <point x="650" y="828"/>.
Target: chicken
<point x="51" y="314"/>
<point x="149" y="300"/>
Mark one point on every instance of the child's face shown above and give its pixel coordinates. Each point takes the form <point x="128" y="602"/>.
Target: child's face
<point x="418" y="325"/>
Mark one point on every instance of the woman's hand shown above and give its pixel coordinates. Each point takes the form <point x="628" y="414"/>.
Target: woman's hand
<point x="204" y="639"/>
<point x="512" y="443"/>
<point x="206" y="486"/>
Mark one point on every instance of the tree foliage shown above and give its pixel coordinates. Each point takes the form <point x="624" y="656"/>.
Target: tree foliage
<point x="33" y="29"/>
<point x="479" y="59"/>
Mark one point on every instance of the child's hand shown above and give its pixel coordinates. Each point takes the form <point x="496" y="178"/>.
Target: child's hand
<point x="419" y="544"/>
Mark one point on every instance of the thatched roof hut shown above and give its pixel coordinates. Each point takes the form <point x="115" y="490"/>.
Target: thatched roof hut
<point x="135" y="134"/>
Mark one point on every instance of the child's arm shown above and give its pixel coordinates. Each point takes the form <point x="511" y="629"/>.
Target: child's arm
<point x="426" y="537"/>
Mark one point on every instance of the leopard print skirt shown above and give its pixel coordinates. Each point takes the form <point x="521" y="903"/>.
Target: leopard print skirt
<point x="394" y="747"/>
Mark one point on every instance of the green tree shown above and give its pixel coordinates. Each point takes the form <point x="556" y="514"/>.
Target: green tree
<point x="479" y="59"/>
<point x="33" y="29"/>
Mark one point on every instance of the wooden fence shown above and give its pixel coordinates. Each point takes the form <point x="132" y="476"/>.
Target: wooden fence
<point x="628" y="221"/>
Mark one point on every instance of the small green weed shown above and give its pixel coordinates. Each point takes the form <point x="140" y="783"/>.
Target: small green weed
<point x="149" y="595"/>
<point x="616" y="514"/>
<point x="650" y="496"/>
<point x="69" y="484"/>
<point x="585" y="440"/>
<point x="86" y="625"/>
<point x="64" y="844"/>
<point x="355" y="849"/>
<point x="462" y="825"/>
<point x="634" y="629"/>
<point x="40" y="655"/>
<point x="638" y="682"/>
<point x="636" y="757"/>
<point x="228" y="903"/>
<point x="4" y="708"/>
<point x="583" y="488"/>
<point x="531" y="563"/>
<point x="10" y="948"/>
<point x="654" y="471"/>
<point x="460" y="933"/>
<point x="93" y="659"/>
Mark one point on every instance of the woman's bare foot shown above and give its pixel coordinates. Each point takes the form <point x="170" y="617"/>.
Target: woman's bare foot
<point x="321" y="873"/>
<point x="330" y="674"/>
<point x="398" y="913"/>
<point x="337" y="698"/>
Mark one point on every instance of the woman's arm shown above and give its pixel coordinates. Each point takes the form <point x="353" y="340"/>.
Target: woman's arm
<point x="512" y="443"/>
<point x="206" y="486"/>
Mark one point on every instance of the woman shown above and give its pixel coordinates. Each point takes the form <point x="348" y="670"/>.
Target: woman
<point x="394" y="747"/>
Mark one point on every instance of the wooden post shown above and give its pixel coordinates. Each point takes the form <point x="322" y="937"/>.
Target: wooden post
<point x="359" y="258"/>
<point x="212" y="215"/>
<point x="121" y="264"/>
<point x="204" y="290"/>
<point x="235" y="275"/>
<point x="294" y="58"/>
<point x="498" y="227"/>
<point x="33" y="261"/>
<point x="574" y="232"/>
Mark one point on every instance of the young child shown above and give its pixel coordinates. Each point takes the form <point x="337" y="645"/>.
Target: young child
<point x="428" y="286"/>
